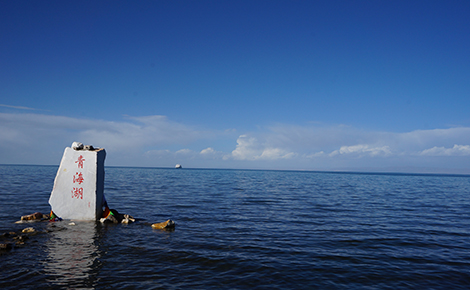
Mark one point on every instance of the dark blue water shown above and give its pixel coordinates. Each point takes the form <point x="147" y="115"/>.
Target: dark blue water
<point x="245" y="230"/>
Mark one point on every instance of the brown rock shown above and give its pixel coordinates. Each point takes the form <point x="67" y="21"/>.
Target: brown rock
<point x="169" y="224"/>
<point x="28" y="230"/>
<point x="33" y="216"/>
<point x="6" y="246"/>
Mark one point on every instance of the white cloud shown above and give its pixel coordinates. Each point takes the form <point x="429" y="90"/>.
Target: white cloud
<point x="141" y="131"/>
<point x="18" y="107"/>
<point x="39" y="138"/>
<point x="422" y="139"/>
<point x="155" y="119"/>
<point x="158" y="141"/>
<point x="157" y="153"/>
<point x="249" y="148"/>
<point x="457" y="150"/>
<point x="184" y="151"/>
<point x="207" y="151"/>
<point x="212" y="154"/>
<point x="276" y="153"/>
<point x="361" y="149"/>
<point x="315" y="155"/>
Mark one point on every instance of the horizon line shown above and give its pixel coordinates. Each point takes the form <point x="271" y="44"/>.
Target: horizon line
<point x="334" y="171"/>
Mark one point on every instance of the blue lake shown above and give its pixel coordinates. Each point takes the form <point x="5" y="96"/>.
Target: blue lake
<point x="245" y="229"/>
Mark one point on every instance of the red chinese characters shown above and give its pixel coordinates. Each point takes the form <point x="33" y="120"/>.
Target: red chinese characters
<point x="80" y="161"/>
<point x="78" y="178"/>
<point x="77" y="192"/>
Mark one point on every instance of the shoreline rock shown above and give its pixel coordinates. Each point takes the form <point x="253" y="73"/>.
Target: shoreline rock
<point x="169" y="224"/>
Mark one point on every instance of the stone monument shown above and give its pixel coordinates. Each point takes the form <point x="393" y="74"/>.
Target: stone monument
<point x="79" y="183"/>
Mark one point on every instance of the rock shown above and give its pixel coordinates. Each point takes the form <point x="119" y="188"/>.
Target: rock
<point x="88" y="147"/>
<point x="34" y="216"/>
<point x="109" y="219"/>
<point x="8" y="235"/>
<point x="127" y="219"/>
<point x="6" y="246"/>
<point x="77" y="146"/>
<point x="169" y="224"/>
<point x="28" y="230"/>
<point x="21" y="238"/>
<point x="116" y="218"/>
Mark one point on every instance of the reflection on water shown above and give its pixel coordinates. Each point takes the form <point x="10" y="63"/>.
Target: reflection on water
<point x="72" y="253"/>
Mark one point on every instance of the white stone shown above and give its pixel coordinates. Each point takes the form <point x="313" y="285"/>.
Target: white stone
<point x="78" y="186"/>
<point x="77" y="146"/>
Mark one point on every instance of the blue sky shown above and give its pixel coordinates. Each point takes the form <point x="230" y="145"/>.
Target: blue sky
<point x="308" y="85"/>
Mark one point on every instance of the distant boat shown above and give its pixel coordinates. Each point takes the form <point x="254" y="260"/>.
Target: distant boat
<point x="178" y="166"/>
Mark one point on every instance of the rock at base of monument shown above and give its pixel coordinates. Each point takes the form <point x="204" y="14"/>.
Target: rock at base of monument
<point x="127" y="219"/>
<point x="169" y="224"/>
<point x="37" y="216"/>
<point x="116" y="218"/>
<point x="34" y="217"/>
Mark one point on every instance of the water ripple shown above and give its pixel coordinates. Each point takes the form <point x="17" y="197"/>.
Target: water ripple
<point x="247" y="229"/>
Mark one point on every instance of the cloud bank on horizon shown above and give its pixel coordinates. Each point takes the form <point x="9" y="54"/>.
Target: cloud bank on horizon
<point x="156" y="141"/>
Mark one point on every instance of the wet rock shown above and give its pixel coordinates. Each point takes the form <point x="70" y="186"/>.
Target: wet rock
<point x="116" y="218"/>
<point x="21" y="239"/>
<point x="127" y="219"/>
<point x="28" y="230"/>
<point x="8" y="235"/>
<point x="169" y="224"/>
<point x="34" y="216"/>
<point x="6" y="246"/>
<point x="110" y="219"/>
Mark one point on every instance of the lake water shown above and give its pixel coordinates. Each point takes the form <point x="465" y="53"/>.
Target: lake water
<point x="242" y="229"/>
